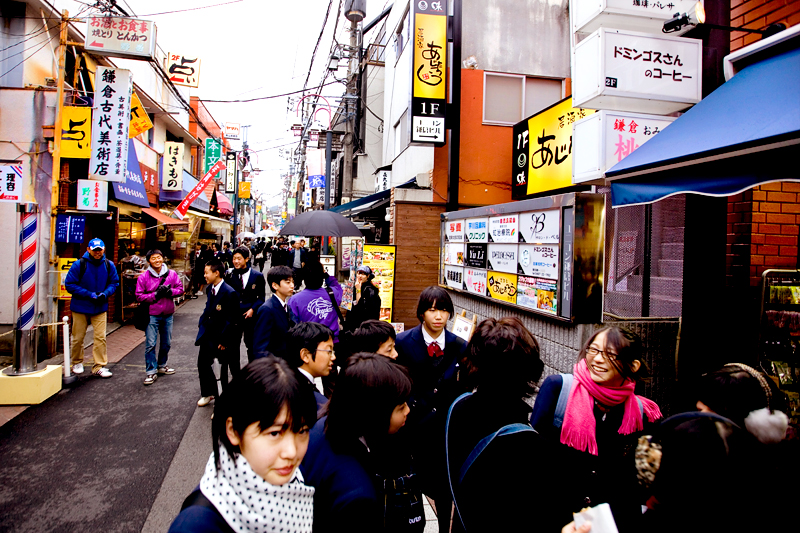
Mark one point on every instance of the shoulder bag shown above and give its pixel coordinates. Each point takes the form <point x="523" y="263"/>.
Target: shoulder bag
<point x="141" y="314"/>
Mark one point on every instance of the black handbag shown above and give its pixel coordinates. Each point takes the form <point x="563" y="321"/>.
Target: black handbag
<point x="403" y="509"/>
<point x="141" y="313"/>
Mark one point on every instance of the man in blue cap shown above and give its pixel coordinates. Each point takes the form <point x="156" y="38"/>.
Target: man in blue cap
<point x="91" y="281"/>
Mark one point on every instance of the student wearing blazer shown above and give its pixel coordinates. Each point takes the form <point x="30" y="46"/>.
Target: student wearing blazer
<point x="216" y="335"/>
<point x="432" y="356"/>
<point x="250" y="285"/>
<point x="274" y="319"/>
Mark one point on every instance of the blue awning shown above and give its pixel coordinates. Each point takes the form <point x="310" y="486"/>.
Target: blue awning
<point x="132" y="189"/>
<point x="201" y="203"/>
<point x="755" y="112"/>
<point x="349" y="206"/>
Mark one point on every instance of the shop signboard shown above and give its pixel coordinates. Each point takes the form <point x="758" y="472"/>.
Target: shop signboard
<point x="70" y="228"/>
<point x="381" y="259"/>
<point x="607" y="137"/>
<point x="120" y="37"/>
<point x="10" y="183"/>
<point x="230" y="173"/>
<point x="637" y="72"/>
<point x="454" y="253"/>
<point x="182" y="70"/>
<point x="198" y="189"/>
<point x="502" y="257"/>
<point x="540" y="260"/>
<point x="92" y="195"/>
<point x="132" y="190"/>
<point x="213" y="153"/>
<point x="76" y="132"/>
<point x="140" y="120"/>
<point x="64" y="264"/>
<point x="538" y="294"/>
<point x="638" y="15"/>
<point x="233" y="130"/>
<point x="540" y="227"/>
<point x="110" y="121"/>
<point x="244" y="189"/>
<point x="150" y="179"/>
<point x="476" y="255"/>
<point x="428" y="71"/>
<point x="504" y="228"/>
<point x="307" y="199"/>
<point x="172" y="177"/>
<point x="502" y="286"/>
<point x="454" y="231"/>
<point x="454" y="277"/>
<point x="475" y="281"/>
<point x="477" y="230"/>
<point x="315" y="167"/>
<point x="383" y="180"/>
<point x="542" y="150"/>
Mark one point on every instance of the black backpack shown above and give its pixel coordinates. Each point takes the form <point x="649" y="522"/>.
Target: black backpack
<point x="84" y="262"/>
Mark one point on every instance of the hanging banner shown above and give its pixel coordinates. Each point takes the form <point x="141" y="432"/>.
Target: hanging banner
<point x="10" y="183"/>
<point x="213" y="153"/>
<point x="110" y="120"/>
<point x="198" y="189"/>
<point x="132" y="189"/>
<point x="230" y="172"/>
<point x="92" y="195"/>
<point x="140" y="120"/>
<point x="172" y="170"/>
<point x="315" y="167"/>
<point x="182" y="70"/>
<point x="429" y="72"/>
<point x="76" y="132"/>
<point x="244" y="190"/>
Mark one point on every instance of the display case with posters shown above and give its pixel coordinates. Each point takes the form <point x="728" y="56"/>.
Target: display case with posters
<point x="380" y="259"/>
<point x="544" y="255"/>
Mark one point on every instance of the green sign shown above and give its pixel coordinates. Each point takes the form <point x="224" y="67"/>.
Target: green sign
<point x="213" y="153"/>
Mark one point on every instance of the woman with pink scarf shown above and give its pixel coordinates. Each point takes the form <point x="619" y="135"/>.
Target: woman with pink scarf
<point x="590" y="420"/>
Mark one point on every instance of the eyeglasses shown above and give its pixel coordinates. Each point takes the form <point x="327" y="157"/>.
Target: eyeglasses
<point x="332" y="352"/>
<point x="594" y="352"/>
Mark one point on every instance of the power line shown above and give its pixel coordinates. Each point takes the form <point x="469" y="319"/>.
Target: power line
<point x="27" y="58"/>
<point x="263" y="97"/>
<point x="313" y="55"/>
<point x="191" y="8"/>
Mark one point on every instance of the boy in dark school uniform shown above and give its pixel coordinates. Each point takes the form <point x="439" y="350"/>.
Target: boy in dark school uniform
<point x="216" y="332"/>
<point x="251" y="287"/>
<point x="432" y="355"/>
<point x="310" y="351"/>
<point x="274" y="319"/>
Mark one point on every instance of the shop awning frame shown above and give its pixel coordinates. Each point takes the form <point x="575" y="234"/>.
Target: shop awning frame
<point x="741" y="119"/>
<point x="164" y="219"/>
<point x="348" y="208"/>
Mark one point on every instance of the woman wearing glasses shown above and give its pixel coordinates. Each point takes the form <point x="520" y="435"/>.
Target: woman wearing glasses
<point x="590" y="420"/>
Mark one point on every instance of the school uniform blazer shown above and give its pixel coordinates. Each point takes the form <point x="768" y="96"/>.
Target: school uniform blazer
<point x="215" y="326"/>
<point x="251" y="296"/>
<point x="271" y="329"/>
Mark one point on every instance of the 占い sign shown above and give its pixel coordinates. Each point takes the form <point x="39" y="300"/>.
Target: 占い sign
<point x="183" y="70"/>
<point x="110" y="121"/>
<point x="76" y="132"/>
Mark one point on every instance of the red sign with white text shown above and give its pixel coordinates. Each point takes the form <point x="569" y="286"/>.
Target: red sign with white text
<point x="183" y="207"/>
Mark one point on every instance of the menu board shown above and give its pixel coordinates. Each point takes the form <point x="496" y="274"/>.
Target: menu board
<point x="502" y="286"/>
<point x="477" y="230"/>
<point x="540" y="227"/>
<point x="503" y="257"/>
<point x="538" y="260"/>
<point x="504" y="228"/>
<point x="454" y="277"/>
<point x="381" y="258"/>
<point x="537" y="293"/>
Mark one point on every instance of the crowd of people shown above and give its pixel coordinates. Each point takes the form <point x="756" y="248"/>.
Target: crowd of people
<point x="423" y="412"/>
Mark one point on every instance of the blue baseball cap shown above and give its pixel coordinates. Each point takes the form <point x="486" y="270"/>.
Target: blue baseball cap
<point x="96" y="244"/>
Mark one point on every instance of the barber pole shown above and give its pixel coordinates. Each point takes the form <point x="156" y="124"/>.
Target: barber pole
<point x="26" y="304"/>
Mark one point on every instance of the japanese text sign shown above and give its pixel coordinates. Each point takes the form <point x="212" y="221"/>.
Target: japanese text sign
<point x="538" y="260"/>
<point x="10" y="183"/>
<point x="475" y="281"/>
<point x="503" y="228"/>
<point x="429" y="71"/>
<point x="543" y="150"/>
<point x="70" y="228"/>
<point x="213" y="153"/>
<point x="110" y="121"/>
<point x="640" y="15"/>
<point x="383" y="180"/>
<point x="172" y="170"/>
<point x="132" y="190"/>
<point x="92" y="195"/>
<point x="538" y="294"/>
<point x="182" y="70"/>
<point x="64" y="264"/>
<point x="477" y="230"/>
<point x="140" y="120"/>
<point x="244" y="189"/>
<point x="454" y="230"/>
<point x="120" y="37"/>
<point x="501" y="286"/>
<point x="233" y="130"/>
<point x="454" y="277"/>
<point x="76" y="132"/>
<point x="454" y="253"/>
<point x="381" y="259"/>
<point x="540" y="226"/>
<point x="198" y="189"/>
<point x="476" y="255"/>
<point x="502" y="257"/>
<point x="230" y="172"/>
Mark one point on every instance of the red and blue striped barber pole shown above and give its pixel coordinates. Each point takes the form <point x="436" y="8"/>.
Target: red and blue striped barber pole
<point x="26" y="283"/>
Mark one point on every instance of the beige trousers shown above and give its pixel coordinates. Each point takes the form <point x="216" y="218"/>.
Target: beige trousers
<point x="99" y="352"/>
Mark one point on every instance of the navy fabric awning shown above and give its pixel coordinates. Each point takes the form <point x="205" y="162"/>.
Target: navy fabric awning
<point x="755" y="112"/>
<point x="132" y="189"/>
<point x="189" y="182"/>
<point x="349" y="206"/>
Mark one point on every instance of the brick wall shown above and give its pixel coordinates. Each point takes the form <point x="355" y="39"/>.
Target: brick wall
<point x="757" y="15"/>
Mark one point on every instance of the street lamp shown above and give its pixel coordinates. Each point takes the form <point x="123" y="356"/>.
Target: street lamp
<point x="355" y="10"/>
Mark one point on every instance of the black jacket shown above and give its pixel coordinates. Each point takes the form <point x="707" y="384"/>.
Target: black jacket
<point x="368" y="307"/>
<point x="253" y="295"/>
<point x="271" y="330"/>
<point x="216" y="324"/>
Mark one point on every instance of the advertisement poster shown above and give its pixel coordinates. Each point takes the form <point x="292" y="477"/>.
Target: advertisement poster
<point x="538" y="260"/>
<point x="475" y="281"/>
<point x="476" y="255"/>
<point x="539" y="294"/>
<point x="503" y="228"/>
<point x="454" y="231"/>
<point x="454" y="277"/>
<point x="503" y="257"/>
<point x="380" y="258"/>
<point x="502" y="286"/>
<point x="540" y="227"/>
<point x="454" y="254"/>
<point x="477" y="229"/>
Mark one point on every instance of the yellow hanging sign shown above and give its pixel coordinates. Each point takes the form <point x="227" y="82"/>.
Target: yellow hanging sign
<point x="244" y="189"/>
<point x="76" y="132"/>
<point x="140" y="121"/>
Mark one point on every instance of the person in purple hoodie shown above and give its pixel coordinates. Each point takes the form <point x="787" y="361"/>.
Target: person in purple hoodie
<point x="157" y="286"/>
<point x="315" y="303"/>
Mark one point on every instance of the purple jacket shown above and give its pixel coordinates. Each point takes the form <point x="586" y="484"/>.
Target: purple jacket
<point x="146" y="287"/>
<point x="316" y="306"/>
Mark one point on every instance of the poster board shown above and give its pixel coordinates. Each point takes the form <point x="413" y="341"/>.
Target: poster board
<point x="463" y="327"/>
<point x="381" y="259"/>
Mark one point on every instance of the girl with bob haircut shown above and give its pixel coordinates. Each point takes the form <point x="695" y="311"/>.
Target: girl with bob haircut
<point x="503" y="364"/>
<point x="589" y="421"/>
<point x="373" y="336"/>
<point x="349" y="446"/>
<point x="260" y="434"/>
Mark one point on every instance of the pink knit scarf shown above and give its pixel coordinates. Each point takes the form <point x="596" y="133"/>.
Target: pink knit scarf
<point x="578" y="429"/>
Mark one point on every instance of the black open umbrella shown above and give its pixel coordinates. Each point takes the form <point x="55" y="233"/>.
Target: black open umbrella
<point x="323" y="223"/>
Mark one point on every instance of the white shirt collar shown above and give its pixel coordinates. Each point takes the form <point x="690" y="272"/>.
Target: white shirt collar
<point x="429" y="339"/>
<point x="306" y="374"/>
<point x="216" y="287"/>
<point x="275" y="294"/>
<point x="245" y="278"/>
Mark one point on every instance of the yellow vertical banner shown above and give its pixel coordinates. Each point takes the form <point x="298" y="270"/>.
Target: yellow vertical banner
<point x="140" y="121"/>
<point x="430" y="56"/>
<point x="76" y="132"/>
<point x="244" y="189"/>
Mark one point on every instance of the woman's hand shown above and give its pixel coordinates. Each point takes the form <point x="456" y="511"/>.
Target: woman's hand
<point x="570" y="528"/>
